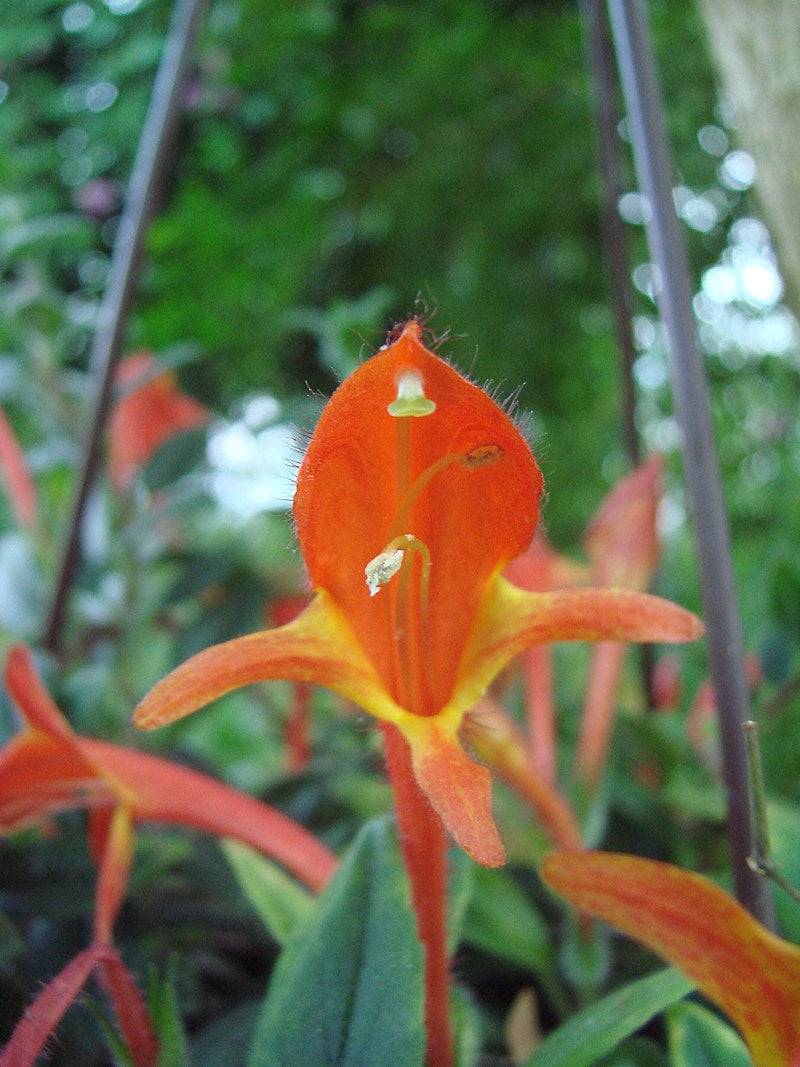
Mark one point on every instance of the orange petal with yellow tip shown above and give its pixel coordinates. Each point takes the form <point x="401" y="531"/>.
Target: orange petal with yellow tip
<point x="511" y="619"/>
<point x="459" y="790"/>
<point x="751" y="974"/>
<point x="318" y="647"/>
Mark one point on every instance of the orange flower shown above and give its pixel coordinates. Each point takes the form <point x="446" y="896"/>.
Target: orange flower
<point x="751" y="974"/>
<point x="416" y="481"/>
<point x="146" y="415"/>
<point x="46" y="769"/>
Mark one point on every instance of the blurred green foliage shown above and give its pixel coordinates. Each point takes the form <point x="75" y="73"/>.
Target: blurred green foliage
<point x="341" y="165"/>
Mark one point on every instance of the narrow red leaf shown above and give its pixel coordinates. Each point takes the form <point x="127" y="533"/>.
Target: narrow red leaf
<point x="129" y="1007"/>
<point x="166" y="792"/>
<point x="44" y="1015"/>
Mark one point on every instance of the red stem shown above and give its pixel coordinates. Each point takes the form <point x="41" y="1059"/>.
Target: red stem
<point x="424" y="844"/>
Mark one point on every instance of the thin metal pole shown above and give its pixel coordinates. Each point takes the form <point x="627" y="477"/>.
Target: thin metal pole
<point x="152" y="154"/>
<point x="602" y="64"/>
<point x="654" y="169"/>
<point x="600" y="56"/>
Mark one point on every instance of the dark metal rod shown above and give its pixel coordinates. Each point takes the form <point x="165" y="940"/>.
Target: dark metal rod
<point x="602" y="65"/>
<point x="654" y="169"/>
<point x="146" y="178"/>
<point x="600" y="55"/>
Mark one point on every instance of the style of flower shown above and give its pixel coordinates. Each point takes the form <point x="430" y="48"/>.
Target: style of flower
<point x="150" y="410"/>
<point x="415" y="492"/>
<point x="47" y="768"/>
<point x="748" y="972"/>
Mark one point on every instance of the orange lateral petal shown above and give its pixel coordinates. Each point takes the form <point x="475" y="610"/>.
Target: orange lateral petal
<point x="511" y="619"/>
<point x="146" y="416"/>
<point x="130" y="1008"/>
<point x="599" y="706"/>
<point x="747" y="971"/>
<point x="317" y="647"/>
<point x="459" y="790"/>
<point x="169" y="793"/>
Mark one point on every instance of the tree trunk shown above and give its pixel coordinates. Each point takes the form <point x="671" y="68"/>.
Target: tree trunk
<point x="755" y="45"/>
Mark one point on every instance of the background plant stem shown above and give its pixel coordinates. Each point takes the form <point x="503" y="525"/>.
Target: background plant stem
<point x="152" y="155"/>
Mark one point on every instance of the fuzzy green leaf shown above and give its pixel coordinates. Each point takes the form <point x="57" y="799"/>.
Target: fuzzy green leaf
<point x="598" y="1028"/>
<point x="348" y="988"/>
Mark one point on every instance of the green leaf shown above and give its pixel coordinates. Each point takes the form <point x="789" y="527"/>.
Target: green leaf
<point x="166" y="1016"/>
<point x="635" y="1052"/>
<point x="699" y="1038"/>
<point x="783" y="820"/>
<point x="224" y="1043"/>
<point x="21" y="590"/>
<point x="39" y="234"/>
<point x="501" y="920"/>
<point x="279" y="901"/>
<point x="348" y="989"/>
<point x="598" y="1028"/>
<point x="177" y="457"/>
<point x="785" y="596"/>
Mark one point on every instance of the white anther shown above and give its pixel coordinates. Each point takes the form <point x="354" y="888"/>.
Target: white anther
<point x="383" y="568"/>
<point x="411" y="399"/>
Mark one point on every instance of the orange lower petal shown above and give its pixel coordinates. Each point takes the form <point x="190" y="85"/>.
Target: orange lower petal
<point x="753" y="976"/>
<point x="317" y="647"/>
<point x="497" y="740"/>
<point x="459" y="790"/>
<point x="511" y="620"/>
